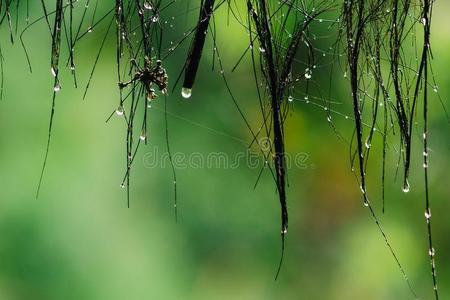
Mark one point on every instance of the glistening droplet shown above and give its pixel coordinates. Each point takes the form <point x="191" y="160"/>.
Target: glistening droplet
<point x="119" y="110"/>
<point x="405" y="186"/>
<point x="143" y="136"/>
<point x="186" y="93"/>
<point x="147" y="5"/>
<point x="57" y="87"/>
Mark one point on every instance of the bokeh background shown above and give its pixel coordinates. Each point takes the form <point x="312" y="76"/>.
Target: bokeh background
<point x="79" y="240"/>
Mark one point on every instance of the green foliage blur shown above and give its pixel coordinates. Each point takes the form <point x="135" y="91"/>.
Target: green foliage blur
<point x="79" y="240"/>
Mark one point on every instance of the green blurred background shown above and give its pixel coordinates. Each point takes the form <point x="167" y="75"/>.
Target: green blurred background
<point x="80" y="241"/>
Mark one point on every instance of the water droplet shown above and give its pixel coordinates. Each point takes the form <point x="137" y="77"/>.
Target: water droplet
<point x="367" y="144"/>
<point x="290" y="98"/>
<point x="143" y="135"/>
<point x="428" y="214"/>
<point x="53" y="71"/>
<point x="424" y="21"/>
<point x="363" y="190"/>
<point x="308" y="74"/>
<point x="119" y="110"/>
<point x="284" y="231"/>
<point x="57" y="87"/>
<point x="431" y="252"/>
<point x="122" y="185"/>
<point x="435" y="89"/>
<point x="148" y="5"/>
<point x="186" y="93"/>
<point x="262" y="50"/>
<point x="406" y="187"/>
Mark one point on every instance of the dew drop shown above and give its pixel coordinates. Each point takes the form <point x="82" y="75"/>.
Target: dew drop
<point x="431" y="252"/>
<point x="363" y="190"/>
<point x="308" y="74"/>
<point x="57" y="87"/>
<point x="424" y="21"/>
<point x="186" y="93"/>
<point x="148" y="5"/>
<point x="155" y="18"/>
<point x="427" y="214"/>
<point x="406" y="187"/>
<point x="53" y="71"/>
<point x="290" y="98"/>
<point x="143" y="136"/>
<point x="119" y="110"/>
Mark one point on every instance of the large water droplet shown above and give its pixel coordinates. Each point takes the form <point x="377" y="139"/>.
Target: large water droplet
<point x="186" y="93"/>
